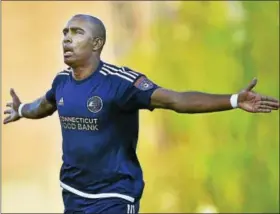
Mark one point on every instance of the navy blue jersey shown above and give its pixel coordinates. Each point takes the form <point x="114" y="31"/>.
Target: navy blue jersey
<point x="99" y="123"/>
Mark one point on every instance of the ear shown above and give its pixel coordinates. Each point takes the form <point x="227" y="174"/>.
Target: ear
<point x="97" y="43"/>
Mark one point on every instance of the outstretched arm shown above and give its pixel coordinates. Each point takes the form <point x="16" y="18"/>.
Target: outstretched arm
<point x="198" y="102"/>
<point x="40" y="108"/>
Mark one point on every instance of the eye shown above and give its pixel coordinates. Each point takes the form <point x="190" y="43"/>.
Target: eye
<point x="64" y="32"/>
<point x="80" y="31"/>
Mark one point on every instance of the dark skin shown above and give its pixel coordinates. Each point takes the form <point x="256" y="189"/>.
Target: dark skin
<point x="198" y="102"/>
<point x="84" y="38"/>
<point x="82" y="45"/>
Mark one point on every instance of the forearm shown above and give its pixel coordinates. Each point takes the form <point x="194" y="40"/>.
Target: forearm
<point x="198" y="102"/>
<point x="38" y="109"/>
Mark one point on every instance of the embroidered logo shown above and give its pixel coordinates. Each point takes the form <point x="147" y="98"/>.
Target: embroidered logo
<point x="94" y="104"/>
<point x="144" y="84"/>
<point x="61" y="102"/>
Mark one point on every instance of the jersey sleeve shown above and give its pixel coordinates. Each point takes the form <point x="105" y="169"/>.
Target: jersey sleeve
<point x="50" y="94"/>
<point x="137" y="94"/>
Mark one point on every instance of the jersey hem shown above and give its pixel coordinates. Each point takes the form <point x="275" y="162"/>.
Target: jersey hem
<point x="96" y="196"/>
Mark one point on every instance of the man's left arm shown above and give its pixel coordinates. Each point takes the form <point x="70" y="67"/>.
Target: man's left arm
<point x="198" y="102"/>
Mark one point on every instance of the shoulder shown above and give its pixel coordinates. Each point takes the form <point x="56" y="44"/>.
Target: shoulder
<point x="66" y="72"/>
<point x="120" y="74"/>
<point x="62" y="76"/>
<point x="125" y="80"/>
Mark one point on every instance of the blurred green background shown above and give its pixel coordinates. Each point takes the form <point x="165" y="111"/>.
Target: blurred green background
<point x="219" y="162"/>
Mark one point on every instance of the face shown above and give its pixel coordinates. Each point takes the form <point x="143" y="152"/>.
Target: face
<point x="78" y="43"/>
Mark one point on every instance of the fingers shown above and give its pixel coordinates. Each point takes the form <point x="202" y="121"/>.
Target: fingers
<point x="13" y="93"/>
<point x="7" y="120"/>
<point x="263" y="110"/>
<point x="252" y="84"/>
<point x="268" y="98"/>
<point x="10" y="104"/>
<point x="8" y="111"/>
<point x="270" y="104"/>
<point x="268" y="107"/>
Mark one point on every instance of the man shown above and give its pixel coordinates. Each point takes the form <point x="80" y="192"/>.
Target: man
<point x="98" y="105"/>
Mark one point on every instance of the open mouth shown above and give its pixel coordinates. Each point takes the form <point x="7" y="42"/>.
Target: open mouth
<point x="68" y="53"/>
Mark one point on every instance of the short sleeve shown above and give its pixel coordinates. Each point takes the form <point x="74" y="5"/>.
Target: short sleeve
<point x="50" y="94"/>
<point x="137" y="94"/>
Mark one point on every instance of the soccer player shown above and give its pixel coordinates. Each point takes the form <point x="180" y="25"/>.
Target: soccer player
<point x="98" y="105"/>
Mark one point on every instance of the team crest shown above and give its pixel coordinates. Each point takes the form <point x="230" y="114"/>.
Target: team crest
<point x="144" y="84"/>
<point x="94" y="104"/>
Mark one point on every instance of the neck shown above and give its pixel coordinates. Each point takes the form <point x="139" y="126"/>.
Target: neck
<point x="83" y="71"/>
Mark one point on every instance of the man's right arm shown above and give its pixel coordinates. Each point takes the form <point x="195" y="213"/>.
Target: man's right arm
<point x="38" y="109"/>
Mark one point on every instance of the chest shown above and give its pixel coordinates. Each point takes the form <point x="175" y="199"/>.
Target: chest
<point x="84" y="100"/>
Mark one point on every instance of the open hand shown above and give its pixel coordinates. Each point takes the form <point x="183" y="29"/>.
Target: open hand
<point x="12" y="111"/>
<point x="253" y="102"/>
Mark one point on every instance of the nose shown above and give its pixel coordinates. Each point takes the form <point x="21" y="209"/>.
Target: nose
<point x="67" y="38"/>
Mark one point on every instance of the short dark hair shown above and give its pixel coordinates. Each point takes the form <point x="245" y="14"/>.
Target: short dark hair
<point x="96" y="22"/>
